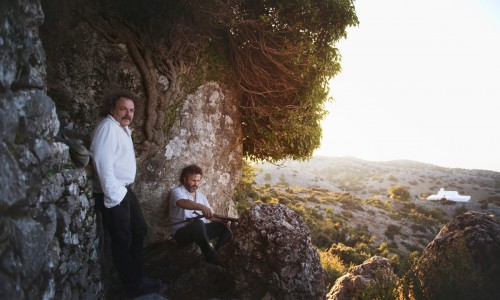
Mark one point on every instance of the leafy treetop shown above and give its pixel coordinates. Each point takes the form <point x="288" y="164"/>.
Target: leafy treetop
<point x="279" y="54"/>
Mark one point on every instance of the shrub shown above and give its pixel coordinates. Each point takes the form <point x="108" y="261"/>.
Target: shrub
<point x="273" y="200"/>
<point x="284" y="200"/>
<point x="333" y="265"/>
<point x="374" y="201"/>
<point x="392" y="178"/>
<point x="418" y="227"/>
<point x="451" y="276"/>
<point x="347" y="214"/>
<point x="484" y="204"/>
<point x="381" y="290"/>
<point x="459" y="210"/>
<point x="494" y="199"/>
<point x="399" y="193"/>
<point x="267" y="177"/>
<point x="350" y="202"/>
<point x="325" y="233"/>
<point x="244" y="190"/>
<point x="347" y="254"/>
<point x="282" y="180"/>
<point x="392" y="231"/>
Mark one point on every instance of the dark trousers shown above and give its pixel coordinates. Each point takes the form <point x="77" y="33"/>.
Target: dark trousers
<point x="201" y="233"/>
<point x="127" y="229"/>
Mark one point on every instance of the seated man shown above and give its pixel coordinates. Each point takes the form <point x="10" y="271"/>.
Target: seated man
<point x="187" y="202"/>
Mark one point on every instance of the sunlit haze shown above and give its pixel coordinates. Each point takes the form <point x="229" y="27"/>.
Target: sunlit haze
<point x="420" y="81"/>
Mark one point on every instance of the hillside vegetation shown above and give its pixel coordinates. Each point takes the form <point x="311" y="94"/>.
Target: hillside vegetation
<point x="356" y="209"/>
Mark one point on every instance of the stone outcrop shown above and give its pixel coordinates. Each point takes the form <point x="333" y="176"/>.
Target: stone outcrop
<point x="54" y="69"/>
<point x="49" y="241"/>
<point x="186" y="274"/>
<point x="375" y="270"/>
<point x="271" y="253"/>
<point x="208" y="133"/>
<point x="204" y="126"/>
<point x="462" y="262"/>
<point x="269" y="257"/>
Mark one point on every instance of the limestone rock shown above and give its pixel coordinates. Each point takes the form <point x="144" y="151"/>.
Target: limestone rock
<point x="48" y="236"/>
<point x="271" y="252"/>
<point x="208" y="133"/>
<point x="185" y="273"/>
<point x="374" y="269"/>
<point x="269" y="257"/>
<point x="463" y="261"/>
<point x="203" y="128"/>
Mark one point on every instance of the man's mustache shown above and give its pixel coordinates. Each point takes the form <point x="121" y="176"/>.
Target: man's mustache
<point x="126" y="118"/>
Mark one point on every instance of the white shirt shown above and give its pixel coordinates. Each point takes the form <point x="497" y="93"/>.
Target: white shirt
<point x="114" y="160"/>
<point x="178" y="214"/>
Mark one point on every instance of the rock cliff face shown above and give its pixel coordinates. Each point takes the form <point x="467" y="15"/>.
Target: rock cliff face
<point x="51" y="81"/>
<point x="49" y="241"/>
<point x="463" y="261"/>
<point x="207" y="133"/>
<point x="205" y="125"/>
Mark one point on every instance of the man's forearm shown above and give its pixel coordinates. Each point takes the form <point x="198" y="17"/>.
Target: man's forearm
<point x="191" y="205"/>
<point x="188" y="204"/>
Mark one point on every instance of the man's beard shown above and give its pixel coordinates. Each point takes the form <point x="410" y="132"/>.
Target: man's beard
<point x="191" y="189"/>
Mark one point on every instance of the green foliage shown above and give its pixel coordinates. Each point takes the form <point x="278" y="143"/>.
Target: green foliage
<point x="337" y="229"/>
<point x="267" y="177"/>
<point x="374" y="201"/>
<point x="350" y="202"/>
<point x="381" y="289"/>
<point x="399" y="193"/>
<point x="347" y="254"/>
<point x="283" y="55"/>
<point x="392" y="230"/>
<point x="170" y="116"/>
<point x="346" y="214"/>
<point x="494" y="199"/>
<point x="245" y="188"/>
<point x="278" y="57"/>
<point x="459" y="210"/>
<point x="484" y="204"/>
<point x="453" y="275"/>
<point x="333" y="265"/>
<point x="418" y="227"/>
<point x="392" y="178"/>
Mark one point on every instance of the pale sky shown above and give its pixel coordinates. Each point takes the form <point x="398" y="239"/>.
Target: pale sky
<point x="420" y="80"/>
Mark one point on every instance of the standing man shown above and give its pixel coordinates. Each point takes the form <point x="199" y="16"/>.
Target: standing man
<point x="115" y="167"/>
<point x="187" y="202"/>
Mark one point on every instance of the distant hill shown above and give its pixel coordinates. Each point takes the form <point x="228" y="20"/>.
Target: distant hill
<point x="353" y="194"/>
<point x="367" y="178"/>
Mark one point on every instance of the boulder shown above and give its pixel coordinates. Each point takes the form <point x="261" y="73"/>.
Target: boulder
<point x="271" y="254"/>
<point x="184" y="273"/>
<point x="462" y="262"/>
<point x="374" y="270"/>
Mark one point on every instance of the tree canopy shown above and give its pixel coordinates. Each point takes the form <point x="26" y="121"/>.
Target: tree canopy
<point x="399" y="193"/>
<point x="282" y="55"/>
<point x="279" y="56"/>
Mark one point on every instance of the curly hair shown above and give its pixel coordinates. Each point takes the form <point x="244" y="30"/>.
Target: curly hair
<point x="110" y="99"/>
<point x="190" y="170"/>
